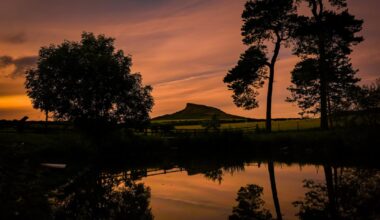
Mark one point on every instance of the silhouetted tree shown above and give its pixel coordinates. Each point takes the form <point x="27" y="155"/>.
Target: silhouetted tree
<point x="368" y="102"/>
<point x="40" y="89"/>
<point x="369" y="97"/>
<point x="341" y="88"/>
<point x="88" y="81"/>
<point x="266" y="23"/>
<point x="330" y="29"/>
<point x="250" y="205"/>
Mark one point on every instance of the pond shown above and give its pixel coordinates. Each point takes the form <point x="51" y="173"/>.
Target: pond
<point x="184" y="195"/>
<point x="197" y="189"/>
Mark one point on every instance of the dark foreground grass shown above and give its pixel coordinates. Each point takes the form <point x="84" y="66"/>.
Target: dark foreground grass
<point x="78" y="147"/>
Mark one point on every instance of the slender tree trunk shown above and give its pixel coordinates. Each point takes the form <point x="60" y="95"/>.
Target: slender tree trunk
<point x="321" y="62"/>
<point x="330" y="191"/>
<point x="323" y="90"/>
<point x="274" y="189"/>
<point x="268" y="122"/>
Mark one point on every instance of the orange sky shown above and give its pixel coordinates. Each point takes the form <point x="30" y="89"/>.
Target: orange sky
<point x="182" y="48"/>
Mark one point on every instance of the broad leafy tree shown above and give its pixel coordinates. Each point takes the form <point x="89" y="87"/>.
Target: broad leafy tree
<point x="267" y="27"/>
<point x="88" y="81"/>
<point x="330" y="29"/>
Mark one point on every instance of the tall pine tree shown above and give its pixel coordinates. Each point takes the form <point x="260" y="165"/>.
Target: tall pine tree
<point x="330" y="29"/>
<point x="267" y="24"/>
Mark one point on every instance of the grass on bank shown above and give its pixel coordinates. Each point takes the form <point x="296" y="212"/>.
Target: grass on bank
<point x="281" y="125"/>
<point x="121" y="144"/>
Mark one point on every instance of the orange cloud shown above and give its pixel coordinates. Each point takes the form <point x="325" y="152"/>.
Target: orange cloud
<point x="182" y="48"/>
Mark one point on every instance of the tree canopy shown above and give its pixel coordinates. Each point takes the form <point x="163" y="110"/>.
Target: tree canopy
<point x="342" y="85"/>
<point x="267" y="23"/>
<point x="248" y="76"/>
<point x="88" y="80"/>
<point x="320" y="39"/>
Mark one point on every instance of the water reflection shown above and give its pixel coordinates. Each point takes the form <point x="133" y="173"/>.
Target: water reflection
<point x="191" y="189"/>
<point x="103" y="196"/>
<point x="250" y="204"/>
<point x="274" y="189"/>
<point x="346" y="193"/>
<point x="218" y="173"/>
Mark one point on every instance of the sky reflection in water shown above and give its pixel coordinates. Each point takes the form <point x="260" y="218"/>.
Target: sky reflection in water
<point x="179" y="196"/>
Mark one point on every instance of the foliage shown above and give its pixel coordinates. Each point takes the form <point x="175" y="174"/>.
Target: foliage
<point x="336" y="28"/>
<point x="266" y="22"/>
<point x="341" y="87"/>
<point x="263" y="21"/>
<point x="88" y="80"/>
<point x="328" y="34"/>
<point x="247" y="77"/>
<point x="369" y="96"/>
<point x="367" y="102"/>
<point x="250" y="205"/>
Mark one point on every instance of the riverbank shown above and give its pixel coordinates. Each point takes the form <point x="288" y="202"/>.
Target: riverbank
<point x="69" y="146"/>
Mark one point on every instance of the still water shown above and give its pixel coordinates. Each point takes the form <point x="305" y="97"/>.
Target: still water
<point x="182" y="196"/>
<point x="193" y="190"/>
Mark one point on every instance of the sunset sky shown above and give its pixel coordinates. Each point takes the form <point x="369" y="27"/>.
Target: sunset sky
<point x="182" y="48"/>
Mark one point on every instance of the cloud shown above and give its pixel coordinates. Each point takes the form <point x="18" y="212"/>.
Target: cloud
<point x="188" y="77"/>
<point x="14" y="38"/>
<point x="20" y="64"/>
<point x="5" y="61"/>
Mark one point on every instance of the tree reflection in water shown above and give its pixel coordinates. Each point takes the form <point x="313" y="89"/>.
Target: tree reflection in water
<point x="103" y="196"/>
<point x="250" y="204"/>
<point x="217" y="174"/>
<point x="347" y="194"/>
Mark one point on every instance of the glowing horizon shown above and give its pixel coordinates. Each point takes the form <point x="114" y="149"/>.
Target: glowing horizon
<point x="182" y="48"/>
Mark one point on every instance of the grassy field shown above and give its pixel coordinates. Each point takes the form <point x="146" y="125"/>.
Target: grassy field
<point x="282" y="125"/>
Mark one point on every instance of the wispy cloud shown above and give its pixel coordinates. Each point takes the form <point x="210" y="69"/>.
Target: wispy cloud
<point x="20" y="64"/>
<point x="14" y="38"/>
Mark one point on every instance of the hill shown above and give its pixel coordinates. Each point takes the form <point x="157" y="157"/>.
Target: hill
<point x="199" y="112"/>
